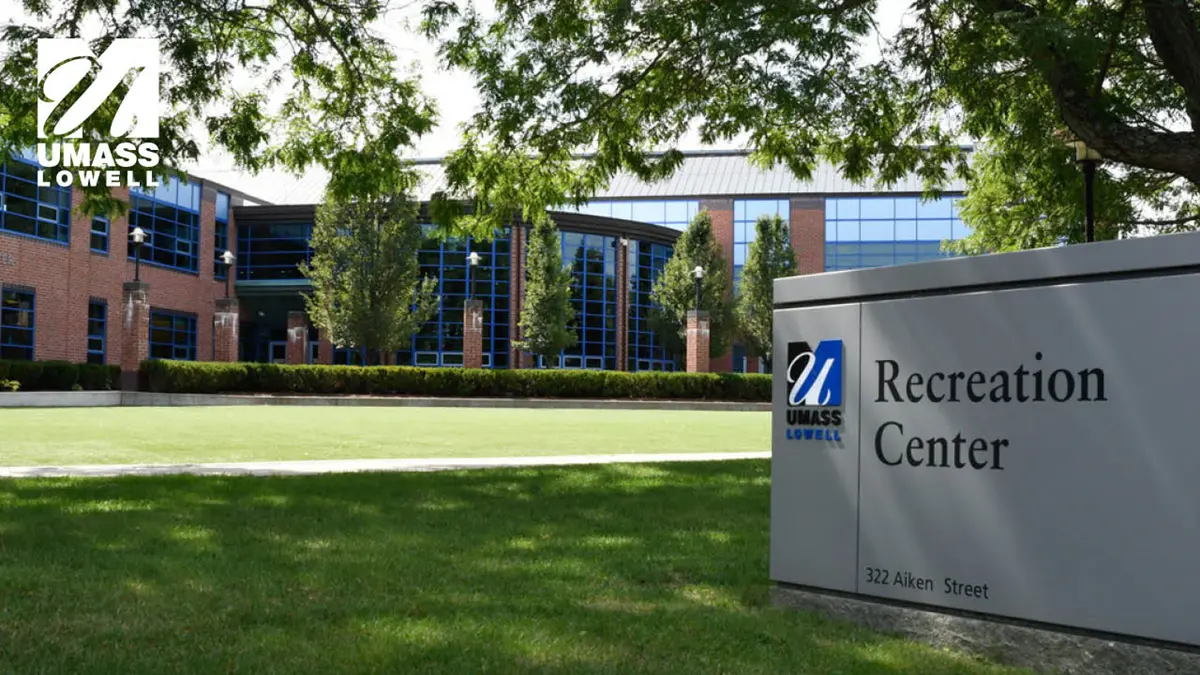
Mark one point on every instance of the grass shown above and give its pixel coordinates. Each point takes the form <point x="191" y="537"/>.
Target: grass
<point x="228" y="434"/>
<point x="612" y="569"/>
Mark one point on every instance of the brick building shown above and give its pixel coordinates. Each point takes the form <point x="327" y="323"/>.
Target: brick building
<point x="66" y="288"/>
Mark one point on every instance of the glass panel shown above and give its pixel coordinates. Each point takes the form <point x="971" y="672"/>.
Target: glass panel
<point x="934" y="230"/>
<point x="877" y="208"/>
<point x="938" y="208"/>
<point x="876" y="230"/>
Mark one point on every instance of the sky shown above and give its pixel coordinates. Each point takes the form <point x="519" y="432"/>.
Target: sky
<point x="453" y="92"/>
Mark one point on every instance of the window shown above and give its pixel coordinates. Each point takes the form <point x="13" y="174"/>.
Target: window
<point x="100" y="234"/>
<point x="16" y="323"/>
<point x="271" y="251"/>
<point x="746" y="213"/>
<point x="221" y="239"/>
<point x="880" y="231"/>
<point x="172" y="335"/>
<point x="170" y="217"/>
<point x="29" y="209"/>
<point x="593" y="260"/>
<point x="646" y="350"/>
<point x="673" y="213"/>
<point x="97" y="321"/>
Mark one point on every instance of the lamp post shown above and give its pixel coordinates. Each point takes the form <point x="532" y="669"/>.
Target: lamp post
<point x="227" y="258"/>
<point x="1088" y="159"/>
<point x="698" y="273"/>
<point x="138" y="237"/>
<point x="473" y="258"/>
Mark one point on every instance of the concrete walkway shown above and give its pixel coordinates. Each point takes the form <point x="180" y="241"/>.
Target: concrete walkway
<point x="354" y="465"/>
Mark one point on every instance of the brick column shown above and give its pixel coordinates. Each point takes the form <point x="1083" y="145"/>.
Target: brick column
<point x="720" y="211"/>
<point x="751" y="362"/>
<point x="473" y="334"/>
<point x="806" y="223"/>
<point x="297" y="337"/>
<point x="324" y="349"/>
<point x="622" y="303"/>
<point x="225" y="334"/>
<point x="697" y="342"/>
<point x="135" y="331"/>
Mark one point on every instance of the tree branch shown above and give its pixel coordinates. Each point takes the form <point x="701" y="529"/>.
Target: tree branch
<point x="1169" y="222"/>
<point x="1176" y="38"/>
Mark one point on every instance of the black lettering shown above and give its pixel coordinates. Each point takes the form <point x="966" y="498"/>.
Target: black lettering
<point x="975" y="378"/>
<point x="996" y="445"/>
<point x="879" y="442"/>
<point x="837" y="418"/>
<point x="1037" y="380"/>
<point x="1000" y="393"/>
<point x="954" y="378"/>
<point x="978" y="445"/>
<point x="888" y="380"/>
<point x="1055" y="390"/>
<point x="913" y="444"/>
<point x="914" y="380"/>
<point x="934" y="445"/>
<point x="958" y="443"/>
<point x="1085" y="390"/>
<point x="929" y="389"/>
<point x="1020" y="372"/>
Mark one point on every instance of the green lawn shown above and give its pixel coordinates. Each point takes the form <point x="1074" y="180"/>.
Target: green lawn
<point x="259" y="433"/>
<point x="615" y="569"/>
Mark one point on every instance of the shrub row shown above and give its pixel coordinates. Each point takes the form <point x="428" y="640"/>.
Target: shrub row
<point x="212" y="378"/>
<point x="59" y="375"/>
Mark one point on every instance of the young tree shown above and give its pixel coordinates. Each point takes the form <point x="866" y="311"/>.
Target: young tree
<point x="771" y="257"/>
<point x="674" y="292"/>
<point x="547" y="315"/>
<point x="367" y="288"/>
<point x="801" y="81"/>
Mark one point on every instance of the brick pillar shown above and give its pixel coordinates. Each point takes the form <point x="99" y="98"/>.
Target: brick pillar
<point x="622" y="282"/>
<point x="297" y="337"/>
<point x="751" y="362"/>
<point x="225" y="334"/>
<point x="516" y="294"/>
<point x="324" y="349"/>
<point x="806" y="223"/>
<point x="720" y="211"/>
<point x="135" y="331"/>
<point x="697" y="342"/>
<point x="473" y="334"/>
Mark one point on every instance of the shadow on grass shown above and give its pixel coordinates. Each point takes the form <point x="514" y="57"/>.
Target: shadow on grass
<point x="583" y="570"/>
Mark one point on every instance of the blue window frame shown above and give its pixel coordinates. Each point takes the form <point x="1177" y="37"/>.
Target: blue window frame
<point x="96" y="333"/>
<point x="345" y="356"/>
<point x="673" y="213"/>
<point x="269" y="251"/>
<point x="221" y="237"/>
<point x="172" y="335"/>
<point x="440" y="341"/>
<point x="99" y="235"/>
<point x="593" y="260"/>
<point x="746" y="213"/>
<point x="879" y="231"/>
<point x="646" y="351"/>
<point x="26" y="208"/>
<point x="170" y="217"/>
<point x="18" y="310"/>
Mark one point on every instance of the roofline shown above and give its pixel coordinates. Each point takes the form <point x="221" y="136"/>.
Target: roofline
<point x="713" y="152"/>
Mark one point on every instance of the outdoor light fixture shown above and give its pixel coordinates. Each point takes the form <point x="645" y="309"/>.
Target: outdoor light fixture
<point x="138" y="237"/>
<point x="698" y="272"/>
<point x="473" y="258"/>
<point x="1087" y="158"/>
<point x="227" y="257"/>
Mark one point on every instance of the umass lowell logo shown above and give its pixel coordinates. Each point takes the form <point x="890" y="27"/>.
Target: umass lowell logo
<point x="814" y="396"/>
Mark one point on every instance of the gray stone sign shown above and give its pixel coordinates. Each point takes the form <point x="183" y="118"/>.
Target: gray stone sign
<point x="1015" y="435"/>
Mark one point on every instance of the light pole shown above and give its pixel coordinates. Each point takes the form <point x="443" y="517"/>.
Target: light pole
<point x="138" y="237"/>
<point x="473" y="258"/>
<point x="1088" y="159"/>
<point x="698" y="273"/>
<point x="227" y="258"/>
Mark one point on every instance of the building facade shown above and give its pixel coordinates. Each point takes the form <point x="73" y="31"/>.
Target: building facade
<point x="65" y="279"/>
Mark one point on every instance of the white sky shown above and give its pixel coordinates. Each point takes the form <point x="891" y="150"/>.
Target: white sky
<point x="453" y="93"/>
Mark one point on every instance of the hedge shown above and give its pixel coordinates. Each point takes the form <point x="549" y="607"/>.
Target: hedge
<point x="60" y="375"/>
<point x="212" y="378"/>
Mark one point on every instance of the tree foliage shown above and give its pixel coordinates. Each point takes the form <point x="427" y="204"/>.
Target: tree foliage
<point x="367" y="287"/>
<point x="547" y="315"/>
<point x="770" y="257"/>
<point x="800" y="81"/>
<point x="320" y="87"/>
<point x="674" y="292"/>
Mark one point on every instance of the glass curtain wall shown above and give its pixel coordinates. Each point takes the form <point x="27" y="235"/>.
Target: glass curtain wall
<point x="879" y="231"/>
<point x="646" y="351"/>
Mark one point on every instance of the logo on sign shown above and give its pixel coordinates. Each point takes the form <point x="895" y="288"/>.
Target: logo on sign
<point x="814" y="394"/>
<point x="73" y="85"/>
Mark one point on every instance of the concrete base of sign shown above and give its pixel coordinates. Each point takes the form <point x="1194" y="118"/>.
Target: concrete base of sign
<point x="1016" y="644"/>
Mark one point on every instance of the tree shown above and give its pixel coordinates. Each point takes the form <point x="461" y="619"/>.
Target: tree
<point x="547" y="315"/>
<point x="771" y="257"/>
<point x="275" y="83"/>
<point x="674" y="292"/>
<point x="799" y="81"/>
<point x="367" y="287"/>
